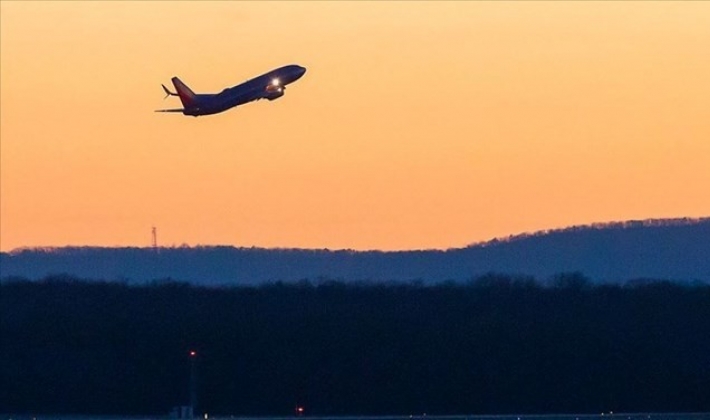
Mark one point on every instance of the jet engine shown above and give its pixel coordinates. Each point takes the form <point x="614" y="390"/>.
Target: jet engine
<point x="274" y="94"/>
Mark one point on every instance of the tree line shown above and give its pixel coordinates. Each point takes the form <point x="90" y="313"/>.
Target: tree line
<point x="495" y="344"/>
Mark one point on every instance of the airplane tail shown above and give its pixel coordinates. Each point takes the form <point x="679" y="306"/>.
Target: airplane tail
<point x="187" y="96"/>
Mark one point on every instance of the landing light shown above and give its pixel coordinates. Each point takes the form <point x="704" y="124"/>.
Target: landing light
<point x="275" y="81"/>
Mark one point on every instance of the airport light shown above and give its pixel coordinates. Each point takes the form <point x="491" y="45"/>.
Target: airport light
<point x="193" y="382"/>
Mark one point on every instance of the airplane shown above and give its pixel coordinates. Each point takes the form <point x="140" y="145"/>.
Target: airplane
<point x="271" y="85"/>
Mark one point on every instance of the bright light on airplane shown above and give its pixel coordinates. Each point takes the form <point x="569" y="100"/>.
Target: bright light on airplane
<point x="275" y="82"/>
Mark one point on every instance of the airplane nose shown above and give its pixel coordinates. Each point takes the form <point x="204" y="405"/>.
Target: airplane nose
<point x="301" y="71"/>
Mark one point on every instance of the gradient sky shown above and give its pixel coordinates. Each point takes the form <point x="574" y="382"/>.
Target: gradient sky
<point x="418" y="124"/>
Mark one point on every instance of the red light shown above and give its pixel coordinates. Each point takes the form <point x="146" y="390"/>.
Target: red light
<point x="193" y="353"/>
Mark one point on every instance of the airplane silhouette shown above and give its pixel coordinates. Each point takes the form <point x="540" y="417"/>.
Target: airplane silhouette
<point x="271" y="85"/>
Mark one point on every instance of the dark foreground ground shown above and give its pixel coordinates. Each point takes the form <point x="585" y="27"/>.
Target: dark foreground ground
<point x="494" y="345"/>
<point x="598" y="416"/>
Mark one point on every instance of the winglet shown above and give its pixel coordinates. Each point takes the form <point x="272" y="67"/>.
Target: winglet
<point x="167" y="92"/>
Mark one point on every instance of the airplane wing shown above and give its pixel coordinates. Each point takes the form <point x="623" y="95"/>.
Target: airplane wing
<point x="170" y="110"/>
<point x="247" y="92"/>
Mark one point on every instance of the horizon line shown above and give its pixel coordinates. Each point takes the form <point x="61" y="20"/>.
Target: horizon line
<point x="625" y="224"/>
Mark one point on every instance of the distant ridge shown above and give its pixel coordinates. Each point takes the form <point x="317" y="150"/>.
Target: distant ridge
<point x="664" y="249"/>
<point x="680" y="221"/>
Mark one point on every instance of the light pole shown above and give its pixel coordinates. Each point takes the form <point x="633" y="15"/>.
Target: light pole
<point x="193" y="382"/>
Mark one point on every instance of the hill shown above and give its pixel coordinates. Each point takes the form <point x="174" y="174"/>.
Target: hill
<point x="673" y="249"/>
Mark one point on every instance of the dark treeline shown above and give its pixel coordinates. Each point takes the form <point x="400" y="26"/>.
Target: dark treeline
<point x="493" y="345"/>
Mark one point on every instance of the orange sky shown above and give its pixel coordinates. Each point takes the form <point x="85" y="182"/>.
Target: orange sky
<point x="417" y="125"/>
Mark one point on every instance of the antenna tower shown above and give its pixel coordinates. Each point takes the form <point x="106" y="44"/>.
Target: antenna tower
<point x="154" y="232"/>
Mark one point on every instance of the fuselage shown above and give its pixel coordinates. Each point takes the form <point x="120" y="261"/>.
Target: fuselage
<point x="270" y="85"/>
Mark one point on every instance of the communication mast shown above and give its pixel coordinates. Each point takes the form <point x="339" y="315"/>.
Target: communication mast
<point x="154" y="232"/>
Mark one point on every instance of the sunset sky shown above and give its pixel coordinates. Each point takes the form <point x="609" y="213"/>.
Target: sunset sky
<point x="418" y="124"/>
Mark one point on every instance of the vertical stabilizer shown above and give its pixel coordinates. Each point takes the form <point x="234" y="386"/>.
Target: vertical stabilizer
<point x="187" y="96"/>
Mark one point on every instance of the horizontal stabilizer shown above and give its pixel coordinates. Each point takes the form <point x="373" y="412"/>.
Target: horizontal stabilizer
<point x="170" y="110"/>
